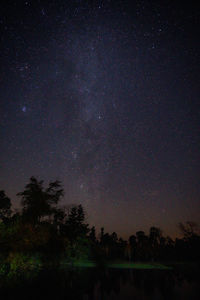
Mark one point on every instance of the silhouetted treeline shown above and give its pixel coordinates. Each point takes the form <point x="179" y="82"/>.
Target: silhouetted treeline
<point x="44" y="233"/>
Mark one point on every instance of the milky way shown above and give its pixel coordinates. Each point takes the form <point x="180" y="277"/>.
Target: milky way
<point x="103" y="95"/>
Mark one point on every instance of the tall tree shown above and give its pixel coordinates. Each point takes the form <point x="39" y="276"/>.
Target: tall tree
<point x="133" y="245"/>
<point x="92" y="234"/>
<point x="155" y="235"/>
<point x="75" y="225"/>
<point x="101" y="235"/>
<point x="5" y="205"/>
<point x="39" y="202"/>
<point x="142" y="251"/>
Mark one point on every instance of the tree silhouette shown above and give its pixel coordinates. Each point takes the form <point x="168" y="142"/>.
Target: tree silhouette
<point x="101" y="235"/>
<point x="142" y="245"/>
<point x="5" y="205"/>
<point x="189" y="229"/>
<point x="39" y="202"/>
<point x="133" y="245"/>
<point x="75" y="226"/>
<point x="43" y="228"/>
<point x="92" y="234"/>
<point x="155" y="235"/>
<point x="114" y="237"/>
<point x="190" y="244"/>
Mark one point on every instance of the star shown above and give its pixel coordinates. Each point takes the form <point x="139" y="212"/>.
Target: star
<point x="24" y="108"/>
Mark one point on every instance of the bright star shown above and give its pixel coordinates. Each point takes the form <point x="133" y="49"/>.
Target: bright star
<point x="24" y="109"/>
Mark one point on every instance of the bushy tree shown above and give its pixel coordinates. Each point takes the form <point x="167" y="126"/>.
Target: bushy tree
<point x="189" y="229"/>
<point x="37" y="201"/>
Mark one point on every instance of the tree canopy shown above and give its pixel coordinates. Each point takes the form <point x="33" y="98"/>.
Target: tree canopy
<point x="38" y="201"/>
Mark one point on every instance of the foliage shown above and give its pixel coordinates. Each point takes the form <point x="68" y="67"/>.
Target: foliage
<point x="79" y="250"/>
<point x="74" y="226"/>
<point x="5" y="206"/>
<point x="39" y="202"/>
<point x="43" y="233"/>
<point x="20" y="265"/>
<point x="189" y="229"/>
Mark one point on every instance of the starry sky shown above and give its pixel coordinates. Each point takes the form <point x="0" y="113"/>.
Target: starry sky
<point x="104" y="96"/>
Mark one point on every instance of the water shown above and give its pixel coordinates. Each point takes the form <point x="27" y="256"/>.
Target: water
<point x="88" y="284"/>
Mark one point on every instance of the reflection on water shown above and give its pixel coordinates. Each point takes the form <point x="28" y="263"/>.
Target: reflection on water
<point x="88" y="284"/>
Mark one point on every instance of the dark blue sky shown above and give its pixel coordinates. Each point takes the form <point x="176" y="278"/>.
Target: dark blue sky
<point x="104" y="95"/>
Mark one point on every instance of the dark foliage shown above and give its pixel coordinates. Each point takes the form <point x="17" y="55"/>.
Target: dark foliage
<point x="5" y="205"/>
<point x="46" y="230"/>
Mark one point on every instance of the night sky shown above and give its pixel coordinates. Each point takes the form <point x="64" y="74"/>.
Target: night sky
<point x="104" y="96"/>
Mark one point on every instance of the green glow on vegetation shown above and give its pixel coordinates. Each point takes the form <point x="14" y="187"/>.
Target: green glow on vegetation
<point x="90" y="264"/>
<point x="138" y="266"/>
<point x="87" y="264"/>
